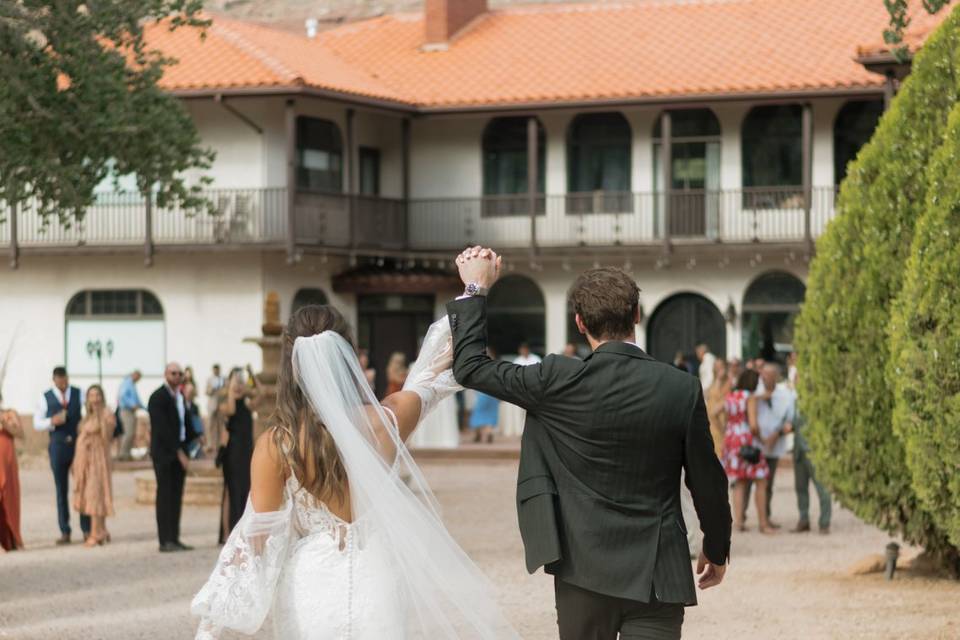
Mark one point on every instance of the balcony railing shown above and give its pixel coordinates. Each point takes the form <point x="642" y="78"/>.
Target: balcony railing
<point x="259" y="217"/>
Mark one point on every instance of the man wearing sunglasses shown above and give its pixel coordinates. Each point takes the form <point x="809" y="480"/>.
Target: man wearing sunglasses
<point x="168" y="449"/>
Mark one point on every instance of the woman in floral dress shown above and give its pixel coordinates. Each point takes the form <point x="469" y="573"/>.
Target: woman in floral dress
<point x="743" y="431"/>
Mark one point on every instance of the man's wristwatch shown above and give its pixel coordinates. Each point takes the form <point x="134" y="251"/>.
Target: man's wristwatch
<point x="474" y="289"/>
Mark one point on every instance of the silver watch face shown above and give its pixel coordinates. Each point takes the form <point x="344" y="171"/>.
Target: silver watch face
<point x="472" y="289"/>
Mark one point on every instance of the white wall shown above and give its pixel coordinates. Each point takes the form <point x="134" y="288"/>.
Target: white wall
<point x="211" y="302"/>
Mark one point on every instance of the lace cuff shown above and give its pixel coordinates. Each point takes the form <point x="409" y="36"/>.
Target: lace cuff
<point x="431" y="376"/>
<point x="239" y="593"/>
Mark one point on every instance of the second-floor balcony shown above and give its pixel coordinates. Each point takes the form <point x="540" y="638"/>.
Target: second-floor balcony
<point x="248" y="218"/>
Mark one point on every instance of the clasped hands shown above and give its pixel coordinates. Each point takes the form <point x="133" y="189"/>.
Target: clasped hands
<point x="479" y="265"/>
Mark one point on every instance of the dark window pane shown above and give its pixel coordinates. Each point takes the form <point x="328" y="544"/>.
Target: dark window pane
<point x="516" y="314"/>
<point x="775" y="288"/>
<point x="853" y="128"/>
<point x="599" y="153"/>
<point x="772" y="141"/>
<point x="690" y="123"/>
<point x="369" y="160"/>
<point x="77" y="305"/>
<point x="319" y="155"/>
<point x="151" y="306"/>
<point x="113" y="303"/>
<point x="505" y="157"/>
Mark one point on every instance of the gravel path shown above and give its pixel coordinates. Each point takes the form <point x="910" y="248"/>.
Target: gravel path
<point x="783" y="587"/>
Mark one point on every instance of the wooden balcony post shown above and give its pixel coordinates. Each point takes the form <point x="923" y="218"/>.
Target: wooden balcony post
<point x="666" y="170"/>
<point x="290" y="122"/>
<point x="405" y="194"/>
<point x="148" y="228"/>
<point x="14" y="240"/>
<point x="351" y="169"/>
<point x="807" y="157"/>
<point x="532" y="180"/>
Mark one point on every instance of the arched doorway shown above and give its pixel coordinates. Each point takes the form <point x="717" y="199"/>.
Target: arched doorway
<point x="516" y="313"/>
<point x="770" y="307"/>
<point x="306" y="296"/>
<point x="683" y="321"/>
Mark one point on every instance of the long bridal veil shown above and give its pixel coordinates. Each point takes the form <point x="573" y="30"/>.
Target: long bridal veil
<point x="447" y="595"/>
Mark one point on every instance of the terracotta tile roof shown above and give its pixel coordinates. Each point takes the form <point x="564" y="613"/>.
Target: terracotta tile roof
<point x="652" y="49"/>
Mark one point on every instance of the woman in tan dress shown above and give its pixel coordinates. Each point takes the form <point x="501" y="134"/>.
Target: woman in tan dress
<point x="92" y="484"/>
<point x="716" y="404"/>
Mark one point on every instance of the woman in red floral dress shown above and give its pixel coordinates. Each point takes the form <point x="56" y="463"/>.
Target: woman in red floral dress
<point x="743" y="431"/>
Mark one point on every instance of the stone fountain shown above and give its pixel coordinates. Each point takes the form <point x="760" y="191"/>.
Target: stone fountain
<point x="270" y="344"/>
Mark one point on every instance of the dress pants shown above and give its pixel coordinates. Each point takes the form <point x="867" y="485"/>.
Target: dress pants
<point x="587" y="615"/>
<point x="803" y="474"/>
<point x="128" y="418"/>
<point x="61" y="458"/>
<point x="169" y="503"/>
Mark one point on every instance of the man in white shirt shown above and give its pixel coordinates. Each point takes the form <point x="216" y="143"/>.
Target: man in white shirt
<point x="526" y="357"/>
<point x="707" y="360"/>
<point x="775" y="411"/>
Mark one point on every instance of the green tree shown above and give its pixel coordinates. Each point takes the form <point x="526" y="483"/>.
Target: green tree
<point x="900" y="20"/>
<point x="79" y="101"/>
<point x="842" y="333"/>
<point x="925" y="343"/>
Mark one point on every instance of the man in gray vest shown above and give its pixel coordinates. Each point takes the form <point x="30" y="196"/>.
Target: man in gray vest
<point x="604" y="444"/>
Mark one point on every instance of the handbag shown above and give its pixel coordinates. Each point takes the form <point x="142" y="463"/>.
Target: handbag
<point x="750" y="454"/>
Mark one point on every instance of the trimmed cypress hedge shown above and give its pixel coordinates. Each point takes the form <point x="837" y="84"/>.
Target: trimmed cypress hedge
<point x="842" y="331"/>
<point x="925" y="345"/>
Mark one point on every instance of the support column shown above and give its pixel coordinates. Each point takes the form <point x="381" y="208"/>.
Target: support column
<point x="148" y="229"/>
<point x="14" y="240"/>
<point x="807" y="159"/>
<point x="666" y="170"/>
<point x="290" y="126"/>
<point x="405" y="187"/>
<point x="351" y="170"/>
<point x="532" y="181"/>
<point x="889" y="89"/>
<point x="555" y="308"/>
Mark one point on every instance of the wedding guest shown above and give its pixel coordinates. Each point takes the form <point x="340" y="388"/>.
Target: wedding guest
<point x="188" y="376"/>
<point x="680" y="361"/>
<point x="216" y="385"/>
<point x="734" y="369"/>
<point x="803" y="475"/>
<point x="10" y="430"/>
<point x="792" y="371"/>
<point x="743" y="459"/>
<point x="525" y="357"/>
<point x="129" y="404"/>
<point x="570" y="350"/>
<point x="716" y="398"/>
<point x="196" y="439"/>
<point x="396" y="372"/>
<point x="92" y="484"/>
<point x="59" y="412"/>
<point x="485" y="415"/>
<point x="775" y="419"/>
<point x="369" y="372"/>
<point x="168" y="437"/>
<point x="705" y="368"/>
<point x="237" y="448"/>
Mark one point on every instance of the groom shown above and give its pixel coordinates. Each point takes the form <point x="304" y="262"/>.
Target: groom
<point x="604" y="444"/>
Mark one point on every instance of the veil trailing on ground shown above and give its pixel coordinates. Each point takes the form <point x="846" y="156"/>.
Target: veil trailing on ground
<point x="447" y="595"/>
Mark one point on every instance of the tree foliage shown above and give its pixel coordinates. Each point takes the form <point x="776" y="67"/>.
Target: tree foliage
<point x="842" y="331"/>
<point x="79" y="101"/>
<point x="900" y="20"/>
<point x="925" y="343"/>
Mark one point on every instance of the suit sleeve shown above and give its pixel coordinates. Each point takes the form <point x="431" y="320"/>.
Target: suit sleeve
<point x="165" y="444"/>
<point x="708" y="484"/>
<point x="523" y="386"/>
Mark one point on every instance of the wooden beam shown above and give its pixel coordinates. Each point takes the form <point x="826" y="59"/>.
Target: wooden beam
<point x="351" y="177"/>
<point x="807" y="176"/>
<point x="405" y="187"/>
<point x="532" y="179"/>
<point x="666" y="171"/>
<point x="290" y="123"/>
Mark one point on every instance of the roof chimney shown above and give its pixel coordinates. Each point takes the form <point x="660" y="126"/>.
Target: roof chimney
<point x="443" y="18"/>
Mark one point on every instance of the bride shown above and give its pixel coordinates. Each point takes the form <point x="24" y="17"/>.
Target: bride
<point x="333" y="543"/>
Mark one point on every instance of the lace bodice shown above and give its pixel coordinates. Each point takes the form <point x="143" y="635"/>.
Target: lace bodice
<point x="312" y="516"/>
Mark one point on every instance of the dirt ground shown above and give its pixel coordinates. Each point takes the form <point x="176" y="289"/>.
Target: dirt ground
<point x="784" y="587"/>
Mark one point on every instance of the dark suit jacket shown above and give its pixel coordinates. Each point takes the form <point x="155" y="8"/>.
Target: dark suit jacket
<point x="164" y="426"/>
<point x="605" y="440"/>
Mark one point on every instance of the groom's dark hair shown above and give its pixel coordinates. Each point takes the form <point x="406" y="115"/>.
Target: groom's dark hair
<point x="606" y="300"/>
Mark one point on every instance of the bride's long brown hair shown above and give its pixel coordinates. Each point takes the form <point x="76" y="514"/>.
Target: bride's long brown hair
<point x="306" y="447"/>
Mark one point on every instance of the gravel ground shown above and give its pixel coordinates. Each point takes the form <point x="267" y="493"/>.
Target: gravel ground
<point x="783" y="587"/>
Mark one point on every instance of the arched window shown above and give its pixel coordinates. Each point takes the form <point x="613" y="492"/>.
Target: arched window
<point x="516" y="313"/>
<point x="307" y="296"/>
<point x="598" y="164"/>
<point x="852" y="129"/>
<point x="319" y="155"/>
<point x="773" y="146"/>
<point x="505" y="166"/>
<point x="109" y="333"/>
<point x="770" y="307"/>
<point x="680" y="323"/>
<point x="694" y="171"/>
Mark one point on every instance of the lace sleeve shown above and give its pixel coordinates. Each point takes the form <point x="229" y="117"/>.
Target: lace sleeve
<point x="239" y="592"/>
<point x="431" y="376"/>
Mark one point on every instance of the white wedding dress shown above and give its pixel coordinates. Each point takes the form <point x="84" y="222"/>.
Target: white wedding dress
<point x="394" y="572"/>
